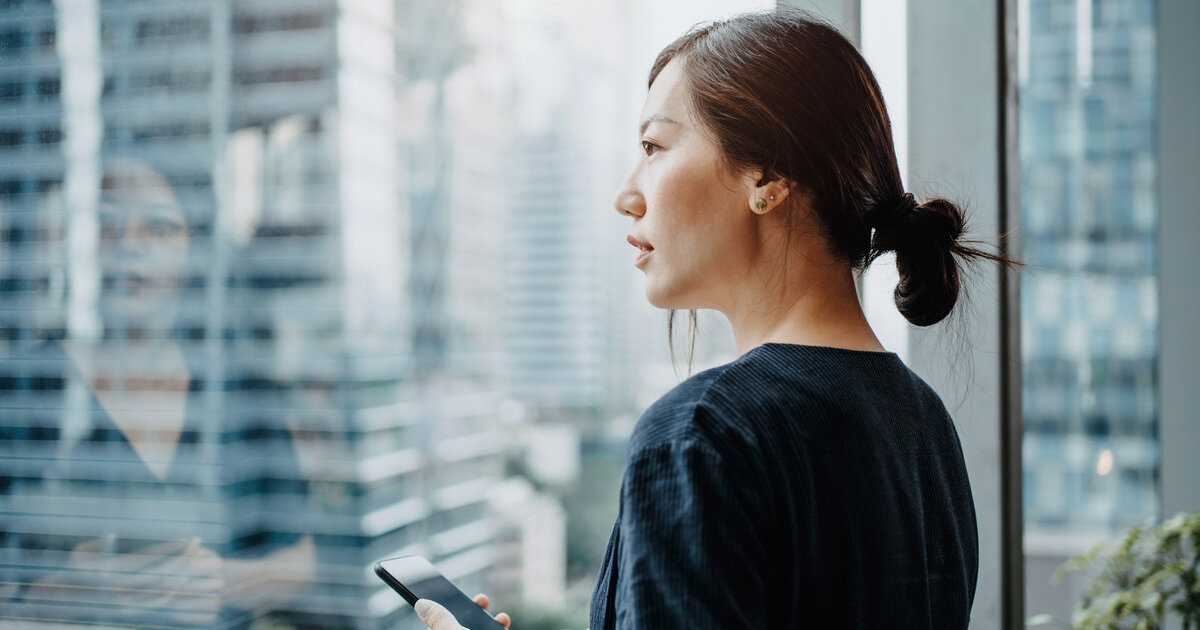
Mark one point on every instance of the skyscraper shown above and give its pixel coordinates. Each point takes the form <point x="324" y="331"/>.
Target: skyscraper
<point x="1089" y="320"/>
<point x="1089" y="292"/>
<point x="217" y="183"/>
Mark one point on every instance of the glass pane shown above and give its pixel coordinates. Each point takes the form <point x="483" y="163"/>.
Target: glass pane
<point x="290" y="286"/>
<point x="1088" y="314"/>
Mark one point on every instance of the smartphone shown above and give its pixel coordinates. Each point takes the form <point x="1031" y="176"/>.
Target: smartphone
<point x="415" y="578"/>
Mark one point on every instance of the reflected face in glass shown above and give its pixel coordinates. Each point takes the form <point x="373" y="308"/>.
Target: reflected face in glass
<point x="686" y="205"/>
<point x="316" y="426"/>
<point x="143" y="244"/>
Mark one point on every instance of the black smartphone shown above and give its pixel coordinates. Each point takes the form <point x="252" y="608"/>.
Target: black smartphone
<point x="415" y="578"/>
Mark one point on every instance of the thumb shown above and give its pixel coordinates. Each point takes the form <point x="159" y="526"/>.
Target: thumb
<point x="435" y="616"/>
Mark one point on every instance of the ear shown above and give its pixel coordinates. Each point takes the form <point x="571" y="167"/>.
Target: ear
<point x="770" y="195"/>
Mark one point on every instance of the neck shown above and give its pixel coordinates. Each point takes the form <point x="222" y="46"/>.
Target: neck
<point x="146" y="357"/>
<point x="819" y="307"/>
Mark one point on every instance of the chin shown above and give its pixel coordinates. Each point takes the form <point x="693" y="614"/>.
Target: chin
<point x="657" y="303"/>
<point x="670" y="299"/>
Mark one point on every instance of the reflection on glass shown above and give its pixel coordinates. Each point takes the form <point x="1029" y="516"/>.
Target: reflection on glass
<point x="290" y="287"/>
<point x="249" y="302"/>
<point x="1089" y="320"/>
<point x="185" y="343"/>
<point x="117" y="484"/>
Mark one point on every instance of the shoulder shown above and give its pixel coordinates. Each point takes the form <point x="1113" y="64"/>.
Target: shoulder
<point x="695" y="441"/>
<point x="722" y="407"/>
<point x="803" y="391"/>
<point x="682" y="415"/>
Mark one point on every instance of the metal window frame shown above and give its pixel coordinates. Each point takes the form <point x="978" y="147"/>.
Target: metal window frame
<point x="1178" y="136"/>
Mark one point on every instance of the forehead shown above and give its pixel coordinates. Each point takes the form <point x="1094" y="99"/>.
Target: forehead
<point x="137" y="196"/>
<point x="667" y="96"/>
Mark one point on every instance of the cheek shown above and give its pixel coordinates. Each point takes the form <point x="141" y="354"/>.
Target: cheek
<point x="700" y="218"/>
<point x="687" y="198"/>
<point x="701" y="241"/>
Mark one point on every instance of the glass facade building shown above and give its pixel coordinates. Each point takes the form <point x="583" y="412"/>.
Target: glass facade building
<point x="1089" y="320"/>
<point x="221" y="370"/>
<point x="288" y="286"/>
<point x="1089" y="291"/>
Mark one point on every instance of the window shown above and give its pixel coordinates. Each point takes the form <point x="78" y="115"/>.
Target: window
<point x="283" y="74"/>
<point x="271" y="319"/>
<point x="49" y="135"/>
<point x="172" y="29"/>
<point x="12" y="90"/>
<point x="48" y="87"/>
<point x="12" y="40"/>
<point x="1089" y="248"/>
<point x="46" y="39"/>
<point x="245" y="24"/>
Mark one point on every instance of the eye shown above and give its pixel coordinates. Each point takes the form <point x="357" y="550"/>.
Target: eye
<point x="649" y="147"/>
<point x="161" y="227"/>
<point x="108" y="226"/>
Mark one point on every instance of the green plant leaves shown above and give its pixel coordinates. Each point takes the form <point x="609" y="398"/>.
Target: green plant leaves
<point x="1144" y="573"/>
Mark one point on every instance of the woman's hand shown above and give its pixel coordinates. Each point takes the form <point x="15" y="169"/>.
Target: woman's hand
<point x="436" y="617"/>
<point x="178" y="582"/>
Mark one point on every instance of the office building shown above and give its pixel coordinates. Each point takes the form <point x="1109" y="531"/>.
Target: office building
<point x="319" y="397"/>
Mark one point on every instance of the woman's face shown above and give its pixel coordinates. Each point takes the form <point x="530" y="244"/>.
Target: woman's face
<point x="686" y="205"/>
<point x="143" y="252"/>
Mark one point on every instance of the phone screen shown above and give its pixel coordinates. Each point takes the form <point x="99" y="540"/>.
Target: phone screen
<point x="415" y="578"/>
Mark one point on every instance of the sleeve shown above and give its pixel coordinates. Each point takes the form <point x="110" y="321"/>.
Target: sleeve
<point x="692" y="542"/>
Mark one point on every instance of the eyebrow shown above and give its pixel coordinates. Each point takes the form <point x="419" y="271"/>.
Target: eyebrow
<point x="654" y="118"/>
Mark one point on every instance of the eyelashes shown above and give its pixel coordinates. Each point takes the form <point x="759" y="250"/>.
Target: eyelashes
<point x="649" y="148"/>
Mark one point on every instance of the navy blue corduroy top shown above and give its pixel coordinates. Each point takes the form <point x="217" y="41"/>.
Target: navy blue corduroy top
<point x="796" y="487"/>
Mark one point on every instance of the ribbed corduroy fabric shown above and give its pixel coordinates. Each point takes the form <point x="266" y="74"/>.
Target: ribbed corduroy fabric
<point x="796" y="487"/>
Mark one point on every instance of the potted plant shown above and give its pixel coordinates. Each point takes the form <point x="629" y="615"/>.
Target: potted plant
<point x="1143" y="576"/>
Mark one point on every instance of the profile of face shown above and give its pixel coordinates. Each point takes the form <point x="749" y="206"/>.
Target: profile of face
<point x="142" y="249"/>
<point x="690" y="212"/>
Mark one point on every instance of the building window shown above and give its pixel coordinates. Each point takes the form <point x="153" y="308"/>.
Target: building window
<point x="48" y="88"/>
<point x="11" y="137"/>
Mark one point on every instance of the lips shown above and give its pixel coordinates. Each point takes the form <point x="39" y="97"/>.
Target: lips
<point x="124" y="281"/>
<point x="645" y="247"/>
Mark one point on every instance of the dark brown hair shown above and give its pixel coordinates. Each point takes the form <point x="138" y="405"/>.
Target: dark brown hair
<point x="787" y="94"/>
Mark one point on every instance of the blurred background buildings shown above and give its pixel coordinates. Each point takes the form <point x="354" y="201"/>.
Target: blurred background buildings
<point x="374" y="241"/>
<point x="1089" y="308"/>
<point x="371" y="234"/>
<point x="1089" y="314"/>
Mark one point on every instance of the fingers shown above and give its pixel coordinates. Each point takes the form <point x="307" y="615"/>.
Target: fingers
<point x="435" y="616"/>
<point x="482" y="601"/>
<point x="179" y="581"/>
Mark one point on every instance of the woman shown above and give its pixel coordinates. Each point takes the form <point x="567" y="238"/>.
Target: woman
<point x="815" y="481"/>
<point x="116" y="504"/>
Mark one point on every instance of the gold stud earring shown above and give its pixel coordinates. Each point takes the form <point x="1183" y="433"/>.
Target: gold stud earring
<point x="760" y="204"/>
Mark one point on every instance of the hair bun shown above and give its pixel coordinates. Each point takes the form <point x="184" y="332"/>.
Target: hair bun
<point x="938" y="217"/>
<point x="904" y="223"/>
<point x="925" y="239"/>
<point x="887" y="217"/>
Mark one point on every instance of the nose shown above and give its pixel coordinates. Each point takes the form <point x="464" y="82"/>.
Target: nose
<point x="125" y="235"/>
<point x="133" y="236"/>
<point x="629" y="200"/>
